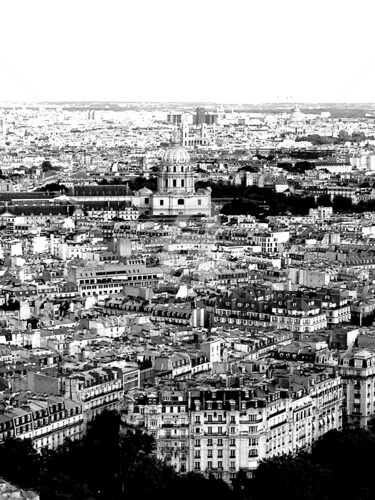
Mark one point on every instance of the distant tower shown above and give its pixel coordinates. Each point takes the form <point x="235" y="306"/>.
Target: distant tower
<point x="2" y="126"/>
<point x="185" y="134"/>
<point x="200" y="116"/>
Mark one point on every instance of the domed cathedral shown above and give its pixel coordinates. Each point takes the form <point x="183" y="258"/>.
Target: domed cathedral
<point x="297" y="121"/>
<point x="176" y="195"/>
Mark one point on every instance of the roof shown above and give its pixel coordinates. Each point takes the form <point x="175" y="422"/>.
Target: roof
<point x="37" y="210"/>
<point x="105" y="190"/>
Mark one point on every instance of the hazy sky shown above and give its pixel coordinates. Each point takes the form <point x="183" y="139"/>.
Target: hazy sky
<point x="196" y="50"/>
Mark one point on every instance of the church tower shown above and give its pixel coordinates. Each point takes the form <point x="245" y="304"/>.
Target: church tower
<point x="176" y="195"/>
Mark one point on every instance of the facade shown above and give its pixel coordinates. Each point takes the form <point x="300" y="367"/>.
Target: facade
<point x="224" y="431"/>
<point x="110" y="279"/>
<point x="357" y="370"/>
<point x="47" y="422"/>
<point x="101" y="388"/>
<point x="282" y="310"/>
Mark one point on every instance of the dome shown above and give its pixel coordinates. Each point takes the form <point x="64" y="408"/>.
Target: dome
<point x="297" y="115"/>
<point x="176" y="155"/>
<point x="144" y="191"/>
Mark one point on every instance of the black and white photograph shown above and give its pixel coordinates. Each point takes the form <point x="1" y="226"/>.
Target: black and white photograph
<point x="187" y="250"/>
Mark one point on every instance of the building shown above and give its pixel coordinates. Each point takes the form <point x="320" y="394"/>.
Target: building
<point x="107" y="279"/>
<point x="357" y="369"/>
<point x="224" y="431"/>
<point x="176" y="195"/>
<point x="199" y="139"/>
<point x="46" y="421"/>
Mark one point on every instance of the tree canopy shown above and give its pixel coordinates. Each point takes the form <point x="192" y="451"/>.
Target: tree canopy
<point x="111" y="463"/>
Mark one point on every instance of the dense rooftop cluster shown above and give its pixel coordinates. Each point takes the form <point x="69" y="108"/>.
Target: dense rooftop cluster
<point x="193" y="301"/>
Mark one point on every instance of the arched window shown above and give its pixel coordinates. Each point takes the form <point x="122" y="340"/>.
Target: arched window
<point x="180" y="202"/>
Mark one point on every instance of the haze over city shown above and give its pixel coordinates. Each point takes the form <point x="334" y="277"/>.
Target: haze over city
<point x="199" y="51"/>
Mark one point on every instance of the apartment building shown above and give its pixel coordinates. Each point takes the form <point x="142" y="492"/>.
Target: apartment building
<point x="224" y="431"/>
<point x="101" y="388"/>
<point x="110" y="279"/>
<point x="295" y="312"/>
<point x="46" y="421"/>
<point x="357" y="369"/>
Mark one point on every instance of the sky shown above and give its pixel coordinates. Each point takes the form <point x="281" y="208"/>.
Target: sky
<point x="237" y="51"/>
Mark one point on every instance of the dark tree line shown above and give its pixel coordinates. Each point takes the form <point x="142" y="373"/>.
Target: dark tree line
<point x="112" y="465"/>
<point x="343" y="136"/>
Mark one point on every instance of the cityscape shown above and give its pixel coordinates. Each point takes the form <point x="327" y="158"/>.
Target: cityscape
<point x="205" y="272"/>
<point x="187" y="250"/>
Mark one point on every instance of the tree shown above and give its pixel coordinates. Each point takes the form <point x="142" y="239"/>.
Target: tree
<point x="347" y="455"/>
<point x="20" y="463"/>
<point x="54" y="186"/>
<point x="47" y="166"/>
<point x="324" y="200"/>
<point x="342" y="204"/>
<point x="291" y="477"/>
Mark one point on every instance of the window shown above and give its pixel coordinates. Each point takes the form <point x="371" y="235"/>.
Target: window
<point x="197" y="419"/>
<point x="220" y="442"/>
<point x="232" y="454"/>
<point x="197" y="465"/>
<point x="182" y="183"/>
<point x="209" y="465"/>
<point x="197" y="454"/>
<point x="161" y="203"/>
<point x="232" y="442"/>
<point x="219" y="453"/>
<point x="199" y="202"/>
<point x="147" y="201"/>
<point x="209" y="442"/>
<point x="209" y="453"/>
<point x="180" y="202"/>
<point x="174" y="183"/>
